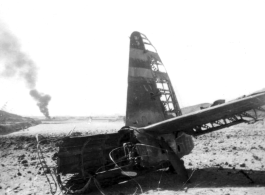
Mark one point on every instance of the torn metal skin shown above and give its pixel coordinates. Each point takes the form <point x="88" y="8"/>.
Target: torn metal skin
<point x="156" y="134"/>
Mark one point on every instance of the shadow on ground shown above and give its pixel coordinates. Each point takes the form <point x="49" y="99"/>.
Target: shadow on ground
<point x="201" y="178"/>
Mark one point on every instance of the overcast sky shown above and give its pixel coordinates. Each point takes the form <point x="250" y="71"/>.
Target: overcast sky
<point x="211" y="50"/>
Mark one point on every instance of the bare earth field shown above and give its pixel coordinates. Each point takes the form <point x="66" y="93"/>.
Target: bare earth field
<point x="227" y="162"/>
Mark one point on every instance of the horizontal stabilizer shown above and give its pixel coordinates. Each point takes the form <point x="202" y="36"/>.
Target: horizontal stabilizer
<point x="249" y="109"/>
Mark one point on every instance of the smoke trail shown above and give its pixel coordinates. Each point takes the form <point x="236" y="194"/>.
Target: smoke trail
<point x="43" y="101"/>
<point x="18" y="64"/>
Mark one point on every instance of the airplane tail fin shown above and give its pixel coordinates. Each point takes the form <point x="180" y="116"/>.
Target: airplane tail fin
<point x="150" y="95"/>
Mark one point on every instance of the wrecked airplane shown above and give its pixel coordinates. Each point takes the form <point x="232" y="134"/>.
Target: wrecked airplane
<point x="156" y="134"/>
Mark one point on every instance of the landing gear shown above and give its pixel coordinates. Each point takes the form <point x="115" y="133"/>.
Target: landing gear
<point x="171" y="168"/>
<point x="175" y="161"/>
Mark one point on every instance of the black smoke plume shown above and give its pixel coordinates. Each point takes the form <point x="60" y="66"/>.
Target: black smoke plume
<point x="42" y="101"/>
<point x="18" y="64"/>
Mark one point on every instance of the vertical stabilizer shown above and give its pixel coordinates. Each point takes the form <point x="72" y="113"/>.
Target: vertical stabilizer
<point x="150" y="95"/>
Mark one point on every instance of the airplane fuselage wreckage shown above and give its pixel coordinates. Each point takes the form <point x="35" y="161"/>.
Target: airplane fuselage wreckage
<point x="156" y="134"/>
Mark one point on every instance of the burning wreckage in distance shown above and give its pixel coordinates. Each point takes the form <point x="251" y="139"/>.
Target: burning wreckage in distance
<point x="42" y="102"/>
<point x="156" y="134"/>
<point x="18" y="63"/>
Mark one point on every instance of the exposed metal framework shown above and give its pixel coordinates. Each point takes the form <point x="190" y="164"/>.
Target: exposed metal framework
<point x="166" y="92"/>
<point x="225" y="122"/>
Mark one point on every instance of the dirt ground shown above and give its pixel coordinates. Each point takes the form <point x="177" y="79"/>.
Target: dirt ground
<point x="227" y="162"/>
